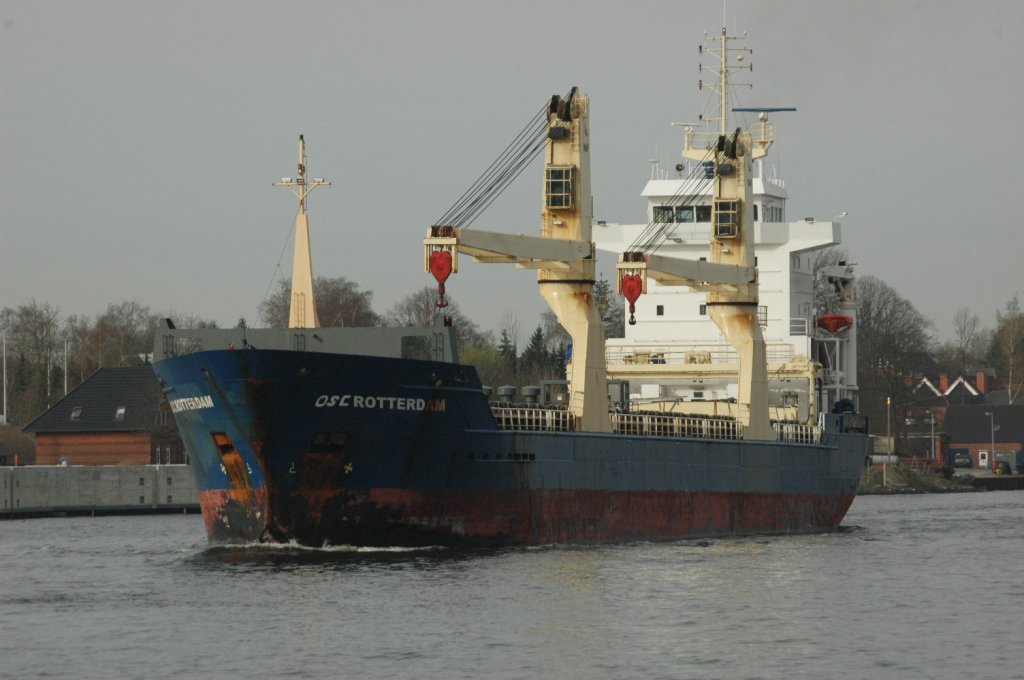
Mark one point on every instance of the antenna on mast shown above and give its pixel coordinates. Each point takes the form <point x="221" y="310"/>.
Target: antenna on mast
<point x="299" y="186"/>
<point x="719" y="46"/>
<point x="302" y="312"/>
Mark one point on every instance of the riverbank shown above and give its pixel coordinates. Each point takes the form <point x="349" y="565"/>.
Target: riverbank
<point x="901" y="479"/>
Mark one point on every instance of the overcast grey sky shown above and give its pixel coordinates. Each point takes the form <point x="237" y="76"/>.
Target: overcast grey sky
<point x="139" y="140"/>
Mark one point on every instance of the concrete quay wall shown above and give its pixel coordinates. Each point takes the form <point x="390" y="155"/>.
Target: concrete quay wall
<point x="96" y="489"/>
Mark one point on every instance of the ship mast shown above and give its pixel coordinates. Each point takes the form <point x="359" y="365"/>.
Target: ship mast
<point x="302" y="311"/>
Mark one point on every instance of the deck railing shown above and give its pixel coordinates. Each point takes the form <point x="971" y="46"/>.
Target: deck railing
<point x="529" y="419"/>
<point x="667" y="425"/>
<point x="525" y="419"/>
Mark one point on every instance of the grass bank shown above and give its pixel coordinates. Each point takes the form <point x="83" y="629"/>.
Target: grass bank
<point x="903" y="479"/>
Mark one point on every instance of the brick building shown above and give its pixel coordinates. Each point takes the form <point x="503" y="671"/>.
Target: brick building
<point x="118" y="416"/>
<point x="985" y="431"/>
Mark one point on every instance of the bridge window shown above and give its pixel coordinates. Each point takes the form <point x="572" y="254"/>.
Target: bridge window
<point x="673" y="213"/>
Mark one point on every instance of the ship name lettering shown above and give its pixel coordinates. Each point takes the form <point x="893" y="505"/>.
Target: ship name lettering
<point x="191" y="403"/>
<point x="379" y="402"/>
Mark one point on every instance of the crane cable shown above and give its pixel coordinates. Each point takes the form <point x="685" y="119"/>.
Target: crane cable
<point x="687" y="195"/>
<point x="500" y="174"/>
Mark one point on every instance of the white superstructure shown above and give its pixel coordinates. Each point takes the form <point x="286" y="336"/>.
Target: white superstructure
<point x="676" y="359"/>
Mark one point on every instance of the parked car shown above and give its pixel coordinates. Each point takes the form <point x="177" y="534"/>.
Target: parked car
<point x="962" y="459"/>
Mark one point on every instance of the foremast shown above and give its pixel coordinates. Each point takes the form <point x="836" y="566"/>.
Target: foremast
<point x="563" y="255"/>
<point x="302" y="305"/>
<point x="730" y="276"/>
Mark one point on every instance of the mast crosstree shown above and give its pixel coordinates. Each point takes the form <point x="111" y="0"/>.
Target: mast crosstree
<point x="302" y="306"/>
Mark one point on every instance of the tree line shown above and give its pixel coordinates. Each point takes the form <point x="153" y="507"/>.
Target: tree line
<point x="48" y="355"/>
<point x="896" y="344"/>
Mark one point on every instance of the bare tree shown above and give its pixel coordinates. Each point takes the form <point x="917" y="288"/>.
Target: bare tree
<point x="339" y="302"/>
<point x="825" y="295"/>
<point x="965" y="328"/>
<point x="510" y="327"/>
<point x="894" y="342"/>
<point x="123" y="334"/>
<point x="555" y="334"/>
<point x="420" y="309"/>
<point x="1007" y="351"/>
<point x="34" y="371"/>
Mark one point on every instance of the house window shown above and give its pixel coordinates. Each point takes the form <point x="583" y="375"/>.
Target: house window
<point x="762" y="316"/>
<point x="755" y="212"/>
<point x="660" y="310"/>
<point x="703" y="310"/>
<point x="76" y="413"/>
<point x="119" y="414"/>
<point x="703" y="213"/>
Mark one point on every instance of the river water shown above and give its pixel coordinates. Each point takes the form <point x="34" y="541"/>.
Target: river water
<point x="911" y="587"/>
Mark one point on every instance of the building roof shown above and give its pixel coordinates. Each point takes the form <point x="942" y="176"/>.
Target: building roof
<point x="964" y="385"/>
<point x="123" y="399"/>
<point x="970" y="423"/>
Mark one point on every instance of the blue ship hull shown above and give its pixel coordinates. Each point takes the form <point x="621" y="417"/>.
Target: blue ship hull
<point x="329" y="448"/>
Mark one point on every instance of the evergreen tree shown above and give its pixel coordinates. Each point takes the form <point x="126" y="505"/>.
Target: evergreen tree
<point x="611" y="308"/>
<point x="509" y="352"/>
<point x="535" y="356"/>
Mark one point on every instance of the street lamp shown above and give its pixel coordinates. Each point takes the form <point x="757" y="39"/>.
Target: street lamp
<point x="992" y="431"/>
<point x="931" y="420"/>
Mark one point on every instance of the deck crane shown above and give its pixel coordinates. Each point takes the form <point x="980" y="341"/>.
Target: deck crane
<point x="730" y="276"/>
<point x="563" y="255"/>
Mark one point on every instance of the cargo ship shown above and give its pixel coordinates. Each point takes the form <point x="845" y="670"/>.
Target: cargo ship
<point x="381" y="437"/>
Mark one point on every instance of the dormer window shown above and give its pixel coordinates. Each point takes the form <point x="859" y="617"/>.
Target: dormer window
<point x="76" y="413"/>
<point x="119" y="414"/>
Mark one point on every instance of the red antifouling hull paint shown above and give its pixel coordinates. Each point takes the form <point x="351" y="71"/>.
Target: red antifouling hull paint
<point x="528" y="517"/>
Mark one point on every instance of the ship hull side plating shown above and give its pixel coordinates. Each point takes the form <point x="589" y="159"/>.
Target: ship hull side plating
<point x="338" y="449"/>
